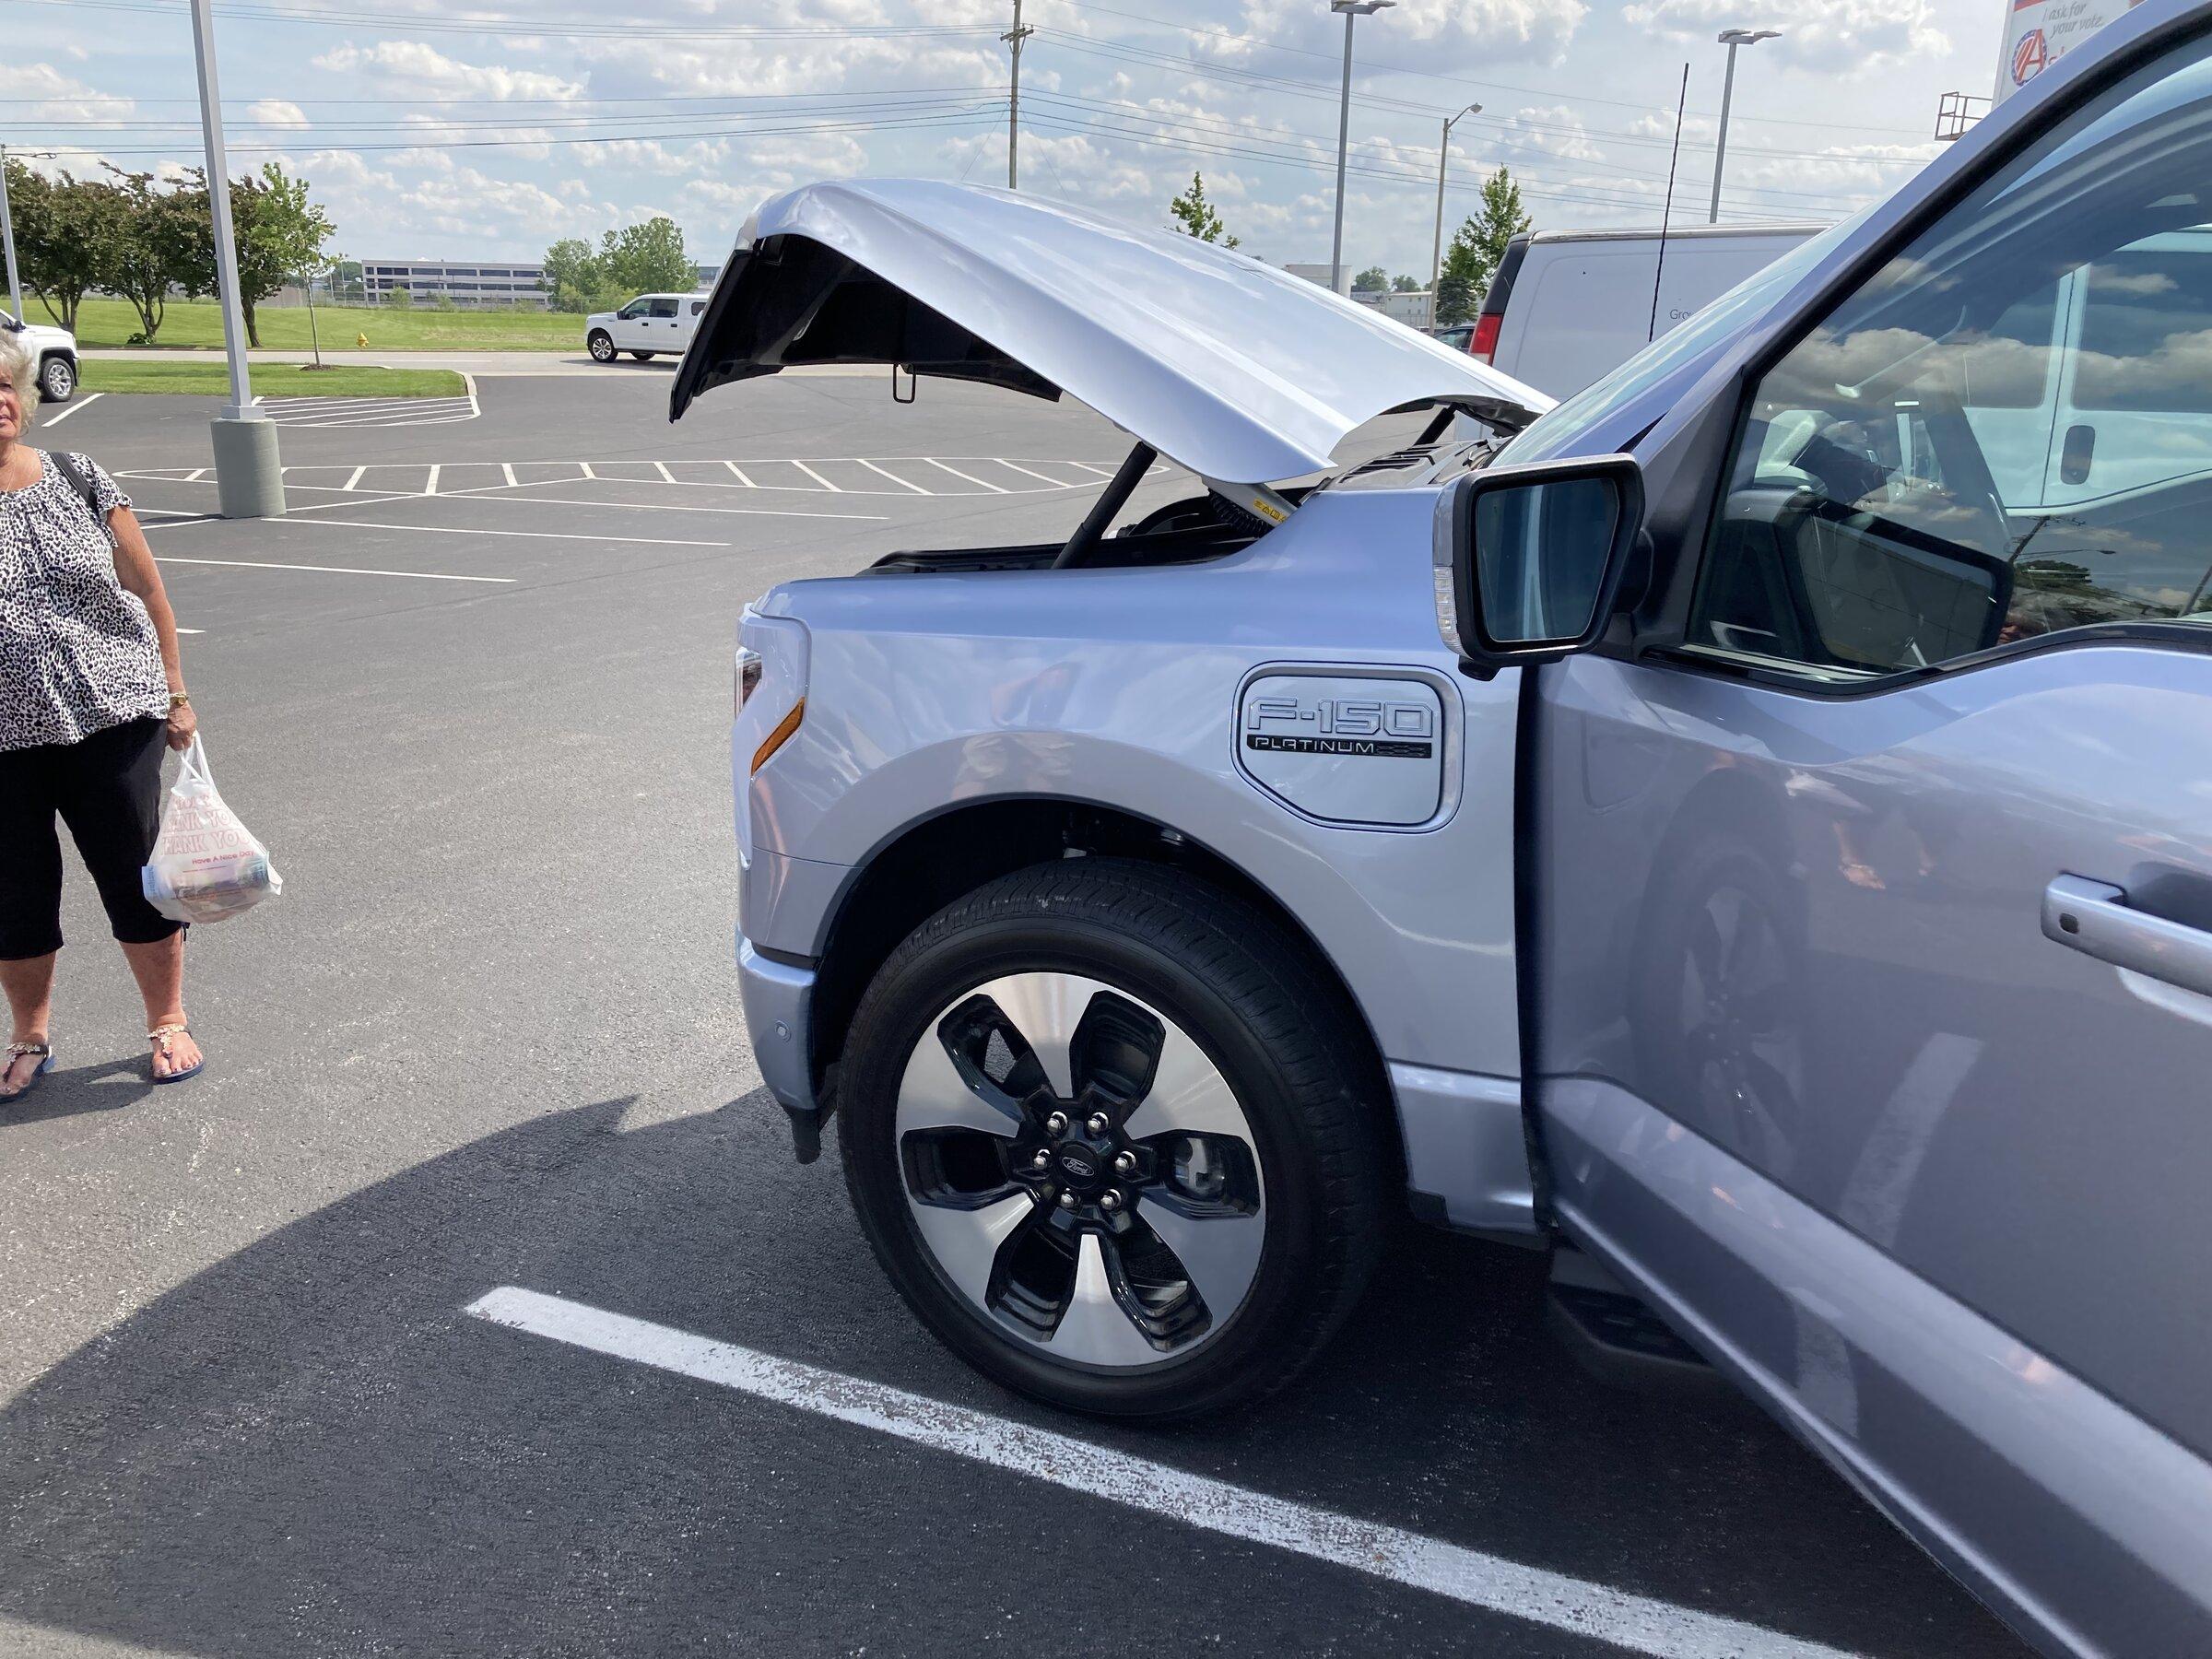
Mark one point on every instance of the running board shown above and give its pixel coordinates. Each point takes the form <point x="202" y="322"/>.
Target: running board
<point x="1616" y="1338"/>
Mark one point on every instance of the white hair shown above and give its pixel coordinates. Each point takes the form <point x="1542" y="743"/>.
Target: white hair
<point x="20" y="360"/>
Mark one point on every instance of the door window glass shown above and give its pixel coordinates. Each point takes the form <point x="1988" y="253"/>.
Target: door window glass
<point x="2146" y="328"/>
<point x="664" y="308"/>
<point x="1886" y="506"/>
<point x="698" y="306"/>
<point x="635" y="309"/>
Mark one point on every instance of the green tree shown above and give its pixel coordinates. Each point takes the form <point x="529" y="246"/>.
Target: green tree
<point x="1405" y="285"/>
<point x="647" y="258"/>
<point x="279" y="233"/>
<point x="1372" y="281"/>
<point x="574" y="276"/>
<point x="1194" y="214"/>
<point x="156" y="246"/>
<point x="63" y="231"/>
<point x="1478" y="247"/>
<point x="280" y="237"/>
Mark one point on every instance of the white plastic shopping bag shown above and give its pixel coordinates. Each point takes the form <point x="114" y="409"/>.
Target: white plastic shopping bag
<point x="206" y="865"/>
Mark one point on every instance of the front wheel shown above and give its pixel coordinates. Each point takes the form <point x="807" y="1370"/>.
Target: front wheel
<point x="1113" y="1140"/>
<point x="601" y="344"/>
<point x="57" y="380"/>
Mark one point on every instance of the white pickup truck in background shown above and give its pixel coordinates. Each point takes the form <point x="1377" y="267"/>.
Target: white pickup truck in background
<point x="57" y="357"/>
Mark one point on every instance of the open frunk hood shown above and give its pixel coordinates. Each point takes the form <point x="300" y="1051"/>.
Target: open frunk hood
<point x="1230" y="367"/>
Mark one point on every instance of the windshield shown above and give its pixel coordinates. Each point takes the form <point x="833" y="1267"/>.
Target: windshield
<point x="1556" y="431"/>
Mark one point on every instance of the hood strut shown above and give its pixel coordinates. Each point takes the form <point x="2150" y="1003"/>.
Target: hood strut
<point x="1111" y="500"/>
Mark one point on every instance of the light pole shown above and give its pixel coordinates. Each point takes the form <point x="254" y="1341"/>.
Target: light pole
<point x="1732" y="38"/>
<point x="7" y="230"/>
<point x="249" y="479"/>
<point x="1352" y="10"/>
<point x="1436" y="252"/>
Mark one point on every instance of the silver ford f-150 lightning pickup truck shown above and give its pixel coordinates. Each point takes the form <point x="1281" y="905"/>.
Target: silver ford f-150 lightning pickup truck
<point x="1746" y="828"/>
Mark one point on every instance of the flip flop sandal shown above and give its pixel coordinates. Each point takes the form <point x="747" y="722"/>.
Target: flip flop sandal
<point x="15" y="1051"/>
<point x="161" y="1036"/>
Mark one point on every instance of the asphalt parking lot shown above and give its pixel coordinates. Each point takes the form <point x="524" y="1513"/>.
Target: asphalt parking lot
<point x="313" y="1355"/>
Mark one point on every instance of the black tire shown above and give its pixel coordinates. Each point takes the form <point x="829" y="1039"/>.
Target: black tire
<point x="642" y="357"/>
<point x="601" y="344"/>
<point x="57" y="380"/>
<point x="1235" y="982"/>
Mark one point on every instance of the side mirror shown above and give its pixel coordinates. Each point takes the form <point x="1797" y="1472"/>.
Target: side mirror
<point x="1530" y="559"/>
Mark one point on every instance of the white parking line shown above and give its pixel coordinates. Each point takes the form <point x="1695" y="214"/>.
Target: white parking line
<point x="431" y="487"/>
<point x="1468" y="1576"/>
<point x="629" y="541"/>
<point x="83" y="402"/>
<point x="646" y="506"/>
<point x="354" y="478"/>
<point x="893" y="477"/>
<point x="956" y="472"/>
<point x="256" y="564"/>
<point x="507" y="472"/>
<point x="818" y="478"/>
<point x="662" y="467"/>
<point x="738" y="473"/>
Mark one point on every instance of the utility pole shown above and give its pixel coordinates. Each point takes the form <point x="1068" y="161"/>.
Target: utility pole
<point x="1732" y="38"/>
<point x="249" y="479"/>
<point x="1436" y="251"/>
<point x="1014" y="37"/>
<point x="1352" y="11"/>
<point x="8" y="229"/>
<point x="7" y="233"/>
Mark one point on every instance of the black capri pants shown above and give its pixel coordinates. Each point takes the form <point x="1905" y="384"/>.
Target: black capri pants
<point x="107" y="788"/>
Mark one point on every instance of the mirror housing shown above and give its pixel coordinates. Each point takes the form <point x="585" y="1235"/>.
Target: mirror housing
<point x="1530" y="559"/>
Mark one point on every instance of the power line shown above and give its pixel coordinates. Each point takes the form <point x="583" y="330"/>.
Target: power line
<point x="500" y="24"/>
<point x="990" y="111"/>
<point x="1245" y="40"/>
<point x="1322" y="92"/>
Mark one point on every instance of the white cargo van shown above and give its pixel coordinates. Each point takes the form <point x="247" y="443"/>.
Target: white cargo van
<point x="1568" y="306"/>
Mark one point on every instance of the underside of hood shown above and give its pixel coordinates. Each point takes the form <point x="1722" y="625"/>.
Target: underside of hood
<point x="1228" y="366"/>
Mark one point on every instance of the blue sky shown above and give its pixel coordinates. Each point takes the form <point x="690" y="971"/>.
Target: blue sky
<point x="491" y="129"/>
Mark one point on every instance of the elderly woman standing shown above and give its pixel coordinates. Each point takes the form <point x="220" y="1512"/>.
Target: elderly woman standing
<point x="90" y="690"/>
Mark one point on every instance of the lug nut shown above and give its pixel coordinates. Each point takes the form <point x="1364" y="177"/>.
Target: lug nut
<point x="1110" y="1200"/>
<point x="1043" y="1160"/>
<point x="1057" y="1123"/>
<point x="1125" y="1164"/>
<point x="1067" y="1201"/>
<point x="1100" y="1123"/>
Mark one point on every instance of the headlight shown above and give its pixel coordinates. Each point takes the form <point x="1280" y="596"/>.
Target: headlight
<point x="747" y="676"/>
<point x="768" y="690"/>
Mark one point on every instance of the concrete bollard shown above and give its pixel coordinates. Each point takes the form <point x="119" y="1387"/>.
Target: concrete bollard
<point x="249" y="479"/>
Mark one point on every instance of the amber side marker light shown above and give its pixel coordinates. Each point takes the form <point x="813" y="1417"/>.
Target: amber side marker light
<point x="780" y="735"/>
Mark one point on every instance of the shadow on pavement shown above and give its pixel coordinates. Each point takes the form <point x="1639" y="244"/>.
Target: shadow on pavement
<point x="310" y="1449"/>
<point x="73" y="1090"/>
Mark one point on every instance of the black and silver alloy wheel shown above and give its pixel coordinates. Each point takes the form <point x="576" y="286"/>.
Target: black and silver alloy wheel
<point x="1080" y="1171"/>
<point x="1114" y="1139"/>
<point x="57" y="380"/>
<point x="602" y="345"/>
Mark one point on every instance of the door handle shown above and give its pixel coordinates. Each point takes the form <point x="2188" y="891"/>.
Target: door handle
<point x="2079" y="450"/>
<point x="2093" y="917"/>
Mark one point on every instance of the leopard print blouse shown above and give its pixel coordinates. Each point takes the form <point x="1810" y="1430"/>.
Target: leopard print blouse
<point x="78" y="653"/>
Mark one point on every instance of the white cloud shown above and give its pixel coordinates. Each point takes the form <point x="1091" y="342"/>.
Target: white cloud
<point x="276" y="112"/>
<point x="54" y="96"/>
<point x="410" y="65"/>
<point x="1446" y="35"/>
<point x="1837" y="37"/>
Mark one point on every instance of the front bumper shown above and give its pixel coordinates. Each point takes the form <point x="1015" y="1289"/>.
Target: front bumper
<point x="779" y="1001"/>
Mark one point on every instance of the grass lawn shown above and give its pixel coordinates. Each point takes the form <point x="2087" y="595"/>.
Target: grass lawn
<point x="111" y="322"/>
<point x="270" y="380"/>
